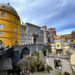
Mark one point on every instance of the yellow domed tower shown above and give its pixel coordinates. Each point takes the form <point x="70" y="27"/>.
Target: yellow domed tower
<point x="9" y="25"/>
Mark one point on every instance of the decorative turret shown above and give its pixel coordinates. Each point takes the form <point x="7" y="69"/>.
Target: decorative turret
<point x="9" y="25"/>
<point x="23" y="23"/>
<point x="49" y="28"/>
<point x="44" y="27"/>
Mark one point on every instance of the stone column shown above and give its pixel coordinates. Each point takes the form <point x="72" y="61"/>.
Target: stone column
<point x="51" y="35"/>
<point x="45" y="36"/>
<point x="32" y="40"/>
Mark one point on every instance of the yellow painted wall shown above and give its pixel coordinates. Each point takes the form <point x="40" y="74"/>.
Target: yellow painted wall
<point x="74" y="40"/>
<point x="53" y="50"/>
<point x="58" y="43"/>
<point x="8" y="36"/>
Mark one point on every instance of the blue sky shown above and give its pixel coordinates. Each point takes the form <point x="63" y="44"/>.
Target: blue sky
<point x="54" y="13"/>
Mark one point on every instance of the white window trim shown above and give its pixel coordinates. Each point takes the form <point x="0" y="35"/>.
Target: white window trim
<point x="2" y="14"/>
<point x="2" y="26"/>
<point x="15" y="29"/>
<point x="1" y="33"/>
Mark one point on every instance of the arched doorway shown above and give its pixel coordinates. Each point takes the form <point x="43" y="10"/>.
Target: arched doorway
<point x="25" y="52"/>
<point x="57" y="64"/>
<point x="35" y="37"/>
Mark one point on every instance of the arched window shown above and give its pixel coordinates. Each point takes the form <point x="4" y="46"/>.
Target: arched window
<point x="1" y="26"/>
<point x="57" y="64"/>
<point x="2" y="14"/>
<point x="25" y="52"/>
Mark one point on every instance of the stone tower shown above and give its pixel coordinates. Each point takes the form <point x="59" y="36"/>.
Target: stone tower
<point x="51" y="35"/>
<point x="44" y="28"/>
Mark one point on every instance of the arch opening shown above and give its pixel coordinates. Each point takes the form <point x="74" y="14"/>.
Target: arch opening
<point x="25" y="52"/>
<point x="57" y="64"/>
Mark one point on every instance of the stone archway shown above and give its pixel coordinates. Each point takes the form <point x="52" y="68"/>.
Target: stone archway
<point x="25" y="52"/>
<point x="57" y="64"/>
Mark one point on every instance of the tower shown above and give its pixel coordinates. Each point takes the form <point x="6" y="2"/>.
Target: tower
<point x="9" y="25"/>
<point x="51" y="35"/>
<point x="44" y="28"/>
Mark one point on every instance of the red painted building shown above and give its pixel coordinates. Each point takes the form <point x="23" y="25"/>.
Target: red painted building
<point x="53" y="31"/>
<point x="73" y="33"/>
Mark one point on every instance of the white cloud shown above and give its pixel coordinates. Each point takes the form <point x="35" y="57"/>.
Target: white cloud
<point x="56" y="13"/>
<point x="67" y="31"/>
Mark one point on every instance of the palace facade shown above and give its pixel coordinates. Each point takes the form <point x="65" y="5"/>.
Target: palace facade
<point x="9" y="25"/>
<point x="33" y="34"/>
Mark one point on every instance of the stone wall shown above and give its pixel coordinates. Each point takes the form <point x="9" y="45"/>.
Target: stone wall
<point x="65" y="63"/>
<point x="27" y="30"/>
<point x="26" y="34"/>
<point x="5" y="65"/>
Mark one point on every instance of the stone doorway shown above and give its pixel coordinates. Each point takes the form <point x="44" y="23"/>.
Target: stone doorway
<point x="16" y="42"/>
<point x="57" y="64"/>
<point x="59" y="51"/>
<point x="35" y="37"/>
<point x="25" y="52"/>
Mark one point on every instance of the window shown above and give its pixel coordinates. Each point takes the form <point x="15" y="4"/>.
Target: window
<point x="2" y="14"/>
<point x="1" y="42"/>
<point x="15" y="35"/>
<point x="58" y="45"/>
<point x="15" y="29"/>
<point x="1" y="33"/>
<point x="16" y="42"/>
<point x="1" y="26"/>
<point x="16" y="19"/>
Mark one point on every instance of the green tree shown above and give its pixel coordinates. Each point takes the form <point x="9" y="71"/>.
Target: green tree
<point x="49" y="68"/>
<point x="37" y="66"/>
<point x="35" y="54"/>
<point x="24" y="65"/>
<point x="16" y="70"/>
<point x="44" y="51"/>
<point x="66" y="73"/>
<point x="48" y="46"/>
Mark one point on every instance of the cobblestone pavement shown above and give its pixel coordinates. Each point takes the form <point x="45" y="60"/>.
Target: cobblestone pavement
<point x="46" y="73"/>
<point x="42" y="73"/>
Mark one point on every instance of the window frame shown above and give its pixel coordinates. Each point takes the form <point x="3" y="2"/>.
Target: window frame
<point x="15" y="29"/>
<point x="1" y="27"/>
<point x="1" y="33"/>
<point x="2" y="14"/>
<point x="15" y="35"/>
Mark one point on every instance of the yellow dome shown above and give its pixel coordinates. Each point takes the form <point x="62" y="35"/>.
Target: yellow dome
<point x="8" y="6"/>
<point x="49" y="27"/>
<point x="43" y="25"/>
